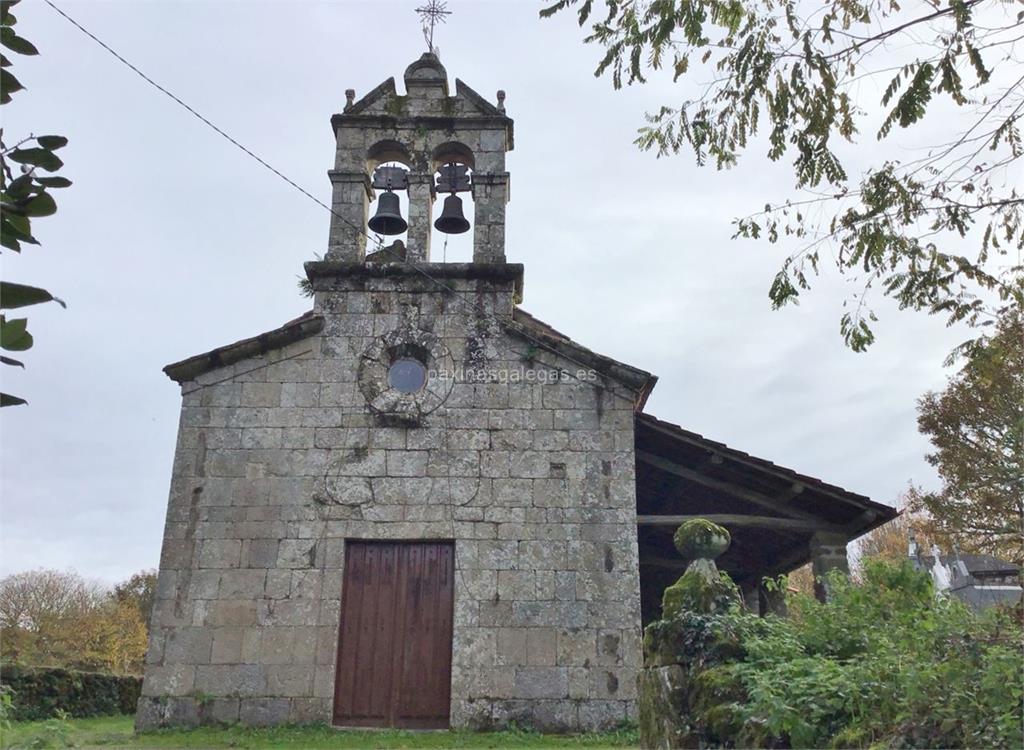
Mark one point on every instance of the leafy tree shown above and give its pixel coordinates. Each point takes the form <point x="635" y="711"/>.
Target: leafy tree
<point x="22" y="198"/>
<point x="113" y="638"/>
<point x="891" y="541"/>
<point x="56" y="618"/>
<point x="977" y="428"/>
<point x="139" y="590"/>
<point x="40" y="615"/>
<point x="793" y="71"/>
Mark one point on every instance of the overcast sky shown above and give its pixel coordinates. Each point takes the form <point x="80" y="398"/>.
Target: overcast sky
<point x="172" y="242"/>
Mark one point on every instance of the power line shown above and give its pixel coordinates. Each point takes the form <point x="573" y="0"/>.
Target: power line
<point x="207" y="122"/>
<point x="377" y="240"/>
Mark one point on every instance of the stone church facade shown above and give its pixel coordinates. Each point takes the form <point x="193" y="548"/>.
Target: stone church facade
<point x="469" y="550"/>
<point x="293" y="445"/>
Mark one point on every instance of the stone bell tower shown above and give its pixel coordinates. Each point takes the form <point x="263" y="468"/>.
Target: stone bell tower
<point x="423" y="130"/>
<point x="413" y="506"/>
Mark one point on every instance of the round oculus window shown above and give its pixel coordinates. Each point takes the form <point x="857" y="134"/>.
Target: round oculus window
<point x="407" y="375"/>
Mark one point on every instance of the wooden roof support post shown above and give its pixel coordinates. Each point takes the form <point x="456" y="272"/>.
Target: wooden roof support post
<point x="828" y="553"/>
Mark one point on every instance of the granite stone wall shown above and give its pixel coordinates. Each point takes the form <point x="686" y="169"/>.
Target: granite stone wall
<point x="282" y="457"/>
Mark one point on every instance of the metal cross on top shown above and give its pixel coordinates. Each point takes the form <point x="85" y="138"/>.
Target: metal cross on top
<point x="431" y="14"/>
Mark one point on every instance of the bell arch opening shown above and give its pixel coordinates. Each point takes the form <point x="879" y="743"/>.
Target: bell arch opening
<point x="452" y="152"/>
<point x="387" y="153"/>
<point x="453" y="248"/>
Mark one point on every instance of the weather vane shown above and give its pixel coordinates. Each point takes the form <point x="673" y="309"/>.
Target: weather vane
<point x="431" y="14"/>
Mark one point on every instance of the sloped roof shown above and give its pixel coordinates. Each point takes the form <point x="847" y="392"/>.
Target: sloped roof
<point x="522" y="324"/>
<point x="301" y="327"/>
<point x="976" y="564"/>
<point x="768" y="467"/>
<point x="772" y="511"/>
<point x="532" y="328"/>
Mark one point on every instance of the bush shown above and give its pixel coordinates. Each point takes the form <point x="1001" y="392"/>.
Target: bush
<point x="41" y="693"/>
<point x="883" y="664"/>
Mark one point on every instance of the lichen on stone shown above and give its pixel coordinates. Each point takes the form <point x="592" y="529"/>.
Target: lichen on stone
<point x="700" y="538"/>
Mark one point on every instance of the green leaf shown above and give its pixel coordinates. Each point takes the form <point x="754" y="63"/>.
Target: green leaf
<point x="8" y="85"/>
<point x="18" y="224"/>
<point x="21" y="187"/>
<point x="7" y="399"/>
<point x="6" y="17"/>
<point x="15" y="229"/>
<point x="52" y="142"/>
<point x="13" y="335"/>
<point x="20" y="295"/>
<point x="6" y="240"/>
<point x="40" y="205"/>
<point x="38" y="157"/>
<point x="54" y="182"/>
<point x="12" y="362"/>
<point x="15" y="43"/>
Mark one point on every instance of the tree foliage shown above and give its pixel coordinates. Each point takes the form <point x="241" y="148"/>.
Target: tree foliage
<point x="792" y="72"/>
<point x="976" y="426"/>
<point x="22" y="198"/>
<point x="139" y="590"/>
<point x="58" y="619"/>
<point x="891" y="541"/>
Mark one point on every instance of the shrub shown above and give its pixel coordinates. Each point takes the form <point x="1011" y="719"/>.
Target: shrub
<point x="41" y="693"/>
<point x="883" y="664"/>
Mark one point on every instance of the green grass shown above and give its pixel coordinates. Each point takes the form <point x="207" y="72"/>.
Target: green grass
<point x="116" y="731"/>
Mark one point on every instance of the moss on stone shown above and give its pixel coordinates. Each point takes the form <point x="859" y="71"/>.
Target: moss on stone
<point x="700" y="590"/>
<point x="715" y="686"/>
<point x="397" y="105"/>
<point x="663" y="718"/>
<point x="700" y="538"/>
<point x="692" y="639"/>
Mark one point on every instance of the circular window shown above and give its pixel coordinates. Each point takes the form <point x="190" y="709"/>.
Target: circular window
<point x="407" y="375"/>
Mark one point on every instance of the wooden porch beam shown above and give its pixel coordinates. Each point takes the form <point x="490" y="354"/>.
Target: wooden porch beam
<point x="764" y="501"/>
<point x="760" y="522"/>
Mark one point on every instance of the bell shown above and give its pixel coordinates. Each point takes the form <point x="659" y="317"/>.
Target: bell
<point x="451" y="220"/>
<point x="388" y="219"/>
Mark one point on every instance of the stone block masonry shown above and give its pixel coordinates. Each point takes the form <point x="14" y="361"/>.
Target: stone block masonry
<point x="281" y="459"/>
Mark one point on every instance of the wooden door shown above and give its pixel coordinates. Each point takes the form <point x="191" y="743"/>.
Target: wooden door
<point x="395" y="640"/>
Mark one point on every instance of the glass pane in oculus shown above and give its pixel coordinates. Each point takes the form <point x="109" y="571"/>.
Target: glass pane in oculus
<point x="407" y="375"/>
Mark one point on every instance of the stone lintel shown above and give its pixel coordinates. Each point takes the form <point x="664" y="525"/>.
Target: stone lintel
<point x="430" y="122"/>
<point x="321" y="273"/>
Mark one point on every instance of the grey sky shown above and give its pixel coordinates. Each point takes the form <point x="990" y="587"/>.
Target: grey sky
<point x="172" y="242"/>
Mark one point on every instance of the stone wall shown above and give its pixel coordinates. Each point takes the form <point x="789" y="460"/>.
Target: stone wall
<point x="280" y="459"/>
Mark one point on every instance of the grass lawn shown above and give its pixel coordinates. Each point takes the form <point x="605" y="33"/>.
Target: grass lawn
<point x="116" y="731"/>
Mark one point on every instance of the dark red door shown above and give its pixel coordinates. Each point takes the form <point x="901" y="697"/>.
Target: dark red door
<point x="395" y="642"/>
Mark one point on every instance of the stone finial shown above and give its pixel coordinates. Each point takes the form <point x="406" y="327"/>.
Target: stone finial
<point x="350" y="97"/>
<point x="701" y="588"/>
<point x="501" y="100"/>
<point x="699" y="539"/>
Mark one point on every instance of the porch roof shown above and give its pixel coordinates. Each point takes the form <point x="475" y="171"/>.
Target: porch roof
<point x="771" y="511"/>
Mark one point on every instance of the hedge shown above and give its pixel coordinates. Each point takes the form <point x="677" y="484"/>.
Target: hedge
<point x="39" y="692"/>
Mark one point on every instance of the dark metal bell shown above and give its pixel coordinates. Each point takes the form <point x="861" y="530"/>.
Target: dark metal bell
<point x="388" y="219"/>
<point x="451" y="220"/>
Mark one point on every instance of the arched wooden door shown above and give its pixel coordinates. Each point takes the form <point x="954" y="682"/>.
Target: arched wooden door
<point x="395" y="640"/>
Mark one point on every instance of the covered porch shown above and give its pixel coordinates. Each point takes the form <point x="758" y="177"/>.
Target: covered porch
<point x="779" y="519"/>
